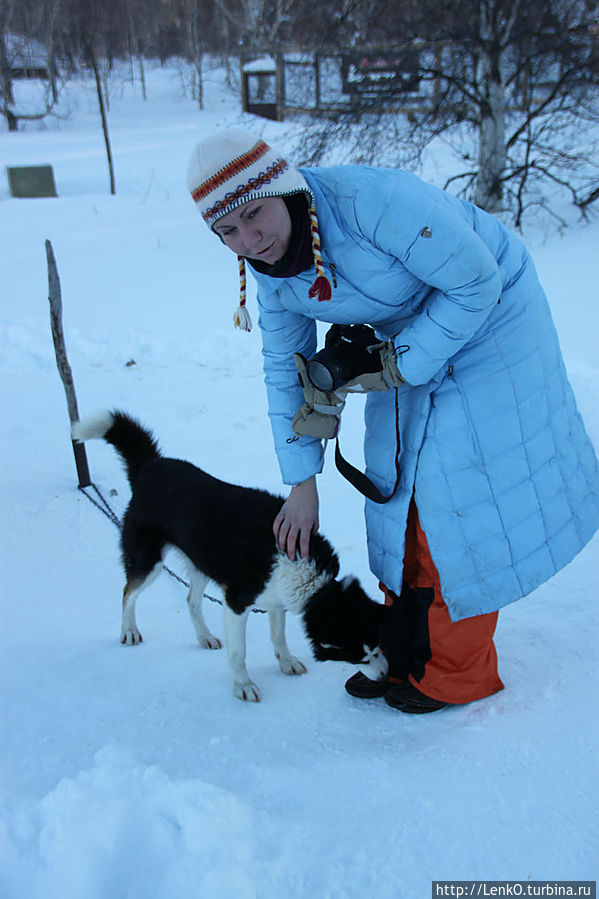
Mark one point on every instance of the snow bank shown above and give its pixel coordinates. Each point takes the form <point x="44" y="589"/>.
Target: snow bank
<point x="123" y="829"/>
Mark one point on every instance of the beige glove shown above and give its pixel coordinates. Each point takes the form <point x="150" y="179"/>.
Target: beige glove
<point x="388" y="376"/>
<point x="391" y="372"/>
<point x="320" y="414"/>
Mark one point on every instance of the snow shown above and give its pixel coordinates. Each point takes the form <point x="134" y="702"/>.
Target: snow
<point x="259" y="66"/>
<point x="135" y="772"/>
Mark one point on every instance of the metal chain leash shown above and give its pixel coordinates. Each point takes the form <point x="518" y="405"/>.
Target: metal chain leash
<point x="103" y="505"/>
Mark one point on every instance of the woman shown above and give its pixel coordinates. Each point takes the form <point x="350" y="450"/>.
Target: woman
<point x="498" y="483"/>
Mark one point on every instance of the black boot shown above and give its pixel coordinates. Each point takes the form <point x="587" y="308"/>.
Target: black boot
<point x="395" y="645"/>
<point x="363" y="688"/>
<point x="407" y="698"/>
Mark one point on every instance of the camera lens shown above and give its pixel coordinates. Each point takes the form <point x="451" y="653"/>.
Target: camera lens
<point x="320" y="376"/>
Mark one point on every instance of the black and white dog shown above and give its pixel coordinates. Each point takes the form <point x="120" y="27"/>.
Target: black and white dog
<point x="225" y="535"/>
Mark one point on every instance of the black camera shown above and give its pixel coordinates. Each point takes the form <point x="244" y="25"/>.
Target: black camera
<point x="345" y="356"/>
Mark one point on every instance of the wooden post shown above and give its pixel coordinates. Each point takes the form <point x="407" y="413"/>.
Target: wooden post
<point x="280" y="86"/>
<point x="244" y="83"/>
<point x="62" y="362"/>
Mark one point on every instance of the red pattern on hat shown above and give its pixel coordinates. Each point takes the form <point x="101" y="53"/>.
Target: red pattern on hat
<point x="238" y="165"/>
<point x="263" y="178"/>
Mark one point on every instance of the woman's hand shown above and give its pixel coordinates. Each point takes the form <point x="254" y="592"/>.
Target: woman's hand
<point x="298" y="518"/>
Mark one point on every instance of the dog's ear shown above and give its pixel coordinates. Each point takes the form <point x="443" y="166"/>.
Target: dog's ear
<point x="351" y="585"/>
<point x="349" y="581"/>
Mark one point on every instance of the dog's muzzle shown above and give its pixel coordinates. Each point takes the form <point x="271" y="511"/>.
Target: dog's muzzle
<point x="374" y="665"/>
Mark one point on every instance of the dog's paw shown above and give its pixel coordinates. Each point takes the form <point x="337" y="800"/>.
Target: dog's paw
<point x="248" y="691"/>
<point x="131" y="637"/>
<point x="210" y="642"/>
<point x="291" y="665"/>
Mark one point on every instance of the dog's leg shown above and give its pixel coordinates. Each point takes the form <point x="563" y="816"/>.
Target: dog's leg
<point x="129" y="631"/>
<point x="195" y="599"/>
<point x="287" y="663"/>
<point x="235" y="628"/>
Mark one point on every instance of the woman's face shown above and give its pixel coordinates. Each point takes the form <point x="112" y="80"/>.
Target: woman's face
<point x="260" y="229"/>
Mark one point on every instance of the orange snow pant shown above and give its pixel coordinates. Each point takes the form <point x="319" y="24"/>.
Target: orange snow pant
<point x="452" y="661"/>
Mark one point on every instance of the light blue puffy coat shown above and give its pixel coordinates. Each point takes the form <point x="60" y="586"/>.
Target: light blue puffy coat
<point x="493" y="447"/>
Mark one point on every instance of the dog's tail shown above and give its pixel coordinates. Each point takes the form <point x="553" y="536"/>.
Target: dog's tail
<point x="134" y="443"/>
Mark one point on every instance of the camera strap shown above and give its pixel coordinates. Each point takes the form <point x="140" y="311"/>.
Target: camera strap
<point x="359" y="479"/>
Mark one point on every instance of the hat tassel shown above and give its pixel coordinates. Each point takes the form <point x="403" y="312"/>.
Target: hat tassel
<point x="241" y="317"/>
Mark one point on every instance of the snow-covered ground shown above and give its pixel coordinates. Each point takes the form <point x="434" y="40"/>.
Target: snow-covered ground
<point x="135" y="772"/>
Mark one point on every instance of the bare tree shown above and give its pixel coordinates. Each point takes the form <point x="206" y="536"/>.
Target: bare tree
<point x="135" y="48"/>
<point x="520" y="80"/>
<point x="260" y="24"/>
<point x="529" y="86"/>
<point x="196" y="45"/>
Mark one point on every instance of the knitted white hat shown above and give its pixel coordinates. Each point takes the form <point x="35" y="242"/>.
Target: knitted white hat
<point x="233" y="167"/>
